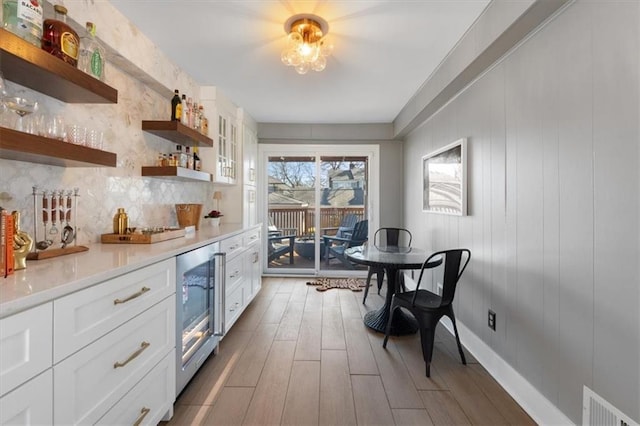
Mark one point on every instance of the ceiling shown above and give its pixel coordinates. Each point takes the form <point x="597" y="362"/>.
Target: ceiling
<point x="383" y="52"/>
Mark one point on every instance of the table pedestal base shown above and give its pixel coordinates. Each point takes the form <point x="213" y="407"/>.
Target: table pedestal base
<point x="402" y="324"/>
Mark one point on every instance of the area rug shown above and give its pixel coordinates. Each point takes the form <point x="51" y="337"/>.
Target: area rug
<point x="324" y="284"/>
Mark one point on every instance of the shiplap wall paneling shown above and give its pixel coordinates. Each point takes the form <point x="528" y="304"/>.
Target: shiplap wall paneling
<point x="571" y="33"/>
<point x="616" y="76"/>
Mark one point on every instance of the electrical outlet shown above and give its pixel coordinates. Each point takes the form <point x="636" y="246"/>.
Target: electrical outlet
<point x="491" y="320"/>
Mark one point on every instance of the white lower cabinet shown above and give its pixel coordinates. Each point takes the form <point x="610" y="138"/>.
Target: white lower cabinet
<point x="90" y="382"/>
<point x="242" y="262"/>
<point x="30" y="404"/>
<point x="25" y="346"/>
<point x="114" y="354"/>
<point x="149" y="400"/>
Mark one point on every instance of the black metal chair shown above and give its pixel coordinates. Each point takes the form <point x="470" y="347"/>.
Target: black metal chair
<point x="428" y="307"/>
<point x="335" y="246"/>
<point x="386" y="237"/>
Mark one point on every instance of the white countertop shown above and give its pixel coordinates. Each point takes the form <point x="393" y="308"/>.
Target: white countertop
<point x="45" y="280"/>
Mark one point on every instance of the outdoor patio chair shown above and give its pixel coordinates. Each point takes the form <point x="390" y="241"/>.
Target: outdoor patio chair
<point x="335" y="246"/>
<point x="281" y="245"/>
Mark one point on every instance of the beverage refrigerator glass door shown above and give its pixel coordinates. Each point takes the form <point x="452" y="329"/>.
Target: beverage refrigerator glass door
<point x="200" y="275"/>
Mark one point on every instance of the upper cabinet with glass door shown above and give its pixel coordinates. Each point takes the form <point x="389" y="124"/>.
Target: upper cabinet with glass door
<point x="222" y="160"/>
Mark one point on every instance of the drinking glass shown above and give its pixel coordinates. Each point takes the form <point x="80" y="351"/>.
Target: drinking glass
<point x="55" y="127"/>
<point x="77" y="134"/>
<point x="20" y="106"/>
<point x="94" y="139"/>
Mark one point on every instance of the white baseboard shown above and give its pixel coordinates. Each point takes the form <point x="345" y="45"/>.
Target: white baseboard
<point x="541" y="410"/>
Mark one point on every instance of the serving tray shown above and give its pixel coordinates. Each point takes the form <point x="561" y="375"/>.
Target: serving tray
<point x="142" y="238"/>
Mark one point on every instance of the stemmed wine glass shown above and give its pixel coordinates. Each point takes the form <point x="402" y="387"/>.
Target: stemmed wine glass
<point x="20" y="106"/>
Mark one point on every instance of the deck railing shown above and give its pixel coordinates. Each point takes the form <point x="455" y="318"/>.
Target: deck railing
<point x="301" y="220"/>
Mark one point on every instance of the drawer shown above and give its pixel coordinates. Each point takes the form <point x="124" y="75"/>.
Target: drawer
<point x="88" y="383"/>
<point x="31" y="403"/>
<point x="233" y="308"/>
<point x="25" y="346"/>
<point x="231" y="246"/>
<point x="83" y="317"/>
<point x="251" y="237"/>
<point x="149" y="400"/>
<point x="234" y="273"/>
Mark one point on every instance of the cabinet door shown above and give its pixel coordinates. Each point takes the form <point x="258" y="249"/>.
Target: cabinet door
<point x="227" y="152"/>
<point x="26" y="345"/>
<point x="30" y="404"/>
<point x="250" y="155"/>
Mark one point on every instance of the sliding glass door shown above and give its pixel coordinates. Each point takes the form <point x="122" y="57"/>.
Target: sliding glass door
<point x="312" y="202"/>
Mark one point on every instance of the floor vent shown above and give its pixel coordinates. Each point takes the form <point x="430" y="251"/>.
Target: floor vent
<point x="596" y="411"/>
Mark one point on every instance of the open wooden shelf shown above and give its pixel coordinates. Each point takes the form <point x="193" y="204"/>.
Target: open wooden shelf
<point x="21" y="146"/>
<point x="177" y="173"/>
<point x="177" y="132"/>
<point x="27" y="65"/>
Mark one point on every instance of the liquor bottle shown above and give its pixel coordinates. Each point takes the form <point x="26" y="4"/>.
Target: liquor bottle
<point x="186" y="110"/>
<point x="191" y="114"/>
<point x="189" y="158"/>
<point x="60" y="39"/>
<point x="196" y="159"/>
<point x="24" y="19"/>
<point x="204" y="124"/>
<point x="181" y="157"/>
<point x="176" y="106"/>
<point x="92" y="58"/>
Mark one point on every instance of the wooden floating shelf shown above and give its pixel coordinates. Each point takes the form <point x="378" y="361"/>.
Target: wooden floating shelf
<point x="21" y="146"/>
<point x="177" y="173"/>
<point x="30" y="66"/>
<point x="177" y="132"/>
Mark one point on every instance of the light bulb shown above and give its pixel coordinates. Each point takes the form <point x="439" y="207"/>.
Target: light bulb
<point x="319" y="64"/>
<point x="326" y="48"/>
<point x="294" y="58"/>
<point x="303" y="68"/>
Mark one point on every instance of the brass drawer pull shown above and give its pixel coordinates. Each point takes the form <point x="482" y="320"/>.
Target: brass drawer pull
<point x="143" y="346"/>
<point x="142" y="291"/>
<point x="143" y="414"/>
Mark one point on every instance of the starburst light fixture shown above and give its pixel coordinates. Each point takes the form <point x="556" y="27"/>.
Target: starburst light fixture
<point x="307" y="45"/>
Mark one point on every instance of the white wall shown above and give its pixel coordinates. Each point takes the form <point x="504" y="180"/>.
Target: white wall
<point x="554" y="194"/>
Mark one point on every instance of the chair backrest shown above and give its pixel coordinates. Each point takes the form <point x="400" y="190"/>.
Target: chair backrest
<point x="347" y="224"/>
<point x="452" y="259"/>
<point x="360" y="233"/>
<point x="392" y="237"/>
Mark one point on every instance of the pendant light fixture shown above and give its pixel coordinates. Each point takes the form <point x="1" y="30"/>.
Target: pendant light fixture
<point x="307" y="45"/>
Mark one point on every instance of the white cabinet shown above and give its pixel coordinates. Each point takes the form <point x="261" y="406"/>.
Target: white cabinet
<point x="25" y="346"/>
<point x="30" y="404"/>
<point x="108" y="337"/>
<point x="222" y="160"/>
<point x="242" y="273"/>
<point x="87" y="356"/>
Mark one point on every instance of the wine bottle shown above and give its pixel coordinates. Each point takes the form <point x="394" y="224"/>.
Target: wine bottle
<point x="176" y="106"/>
<point x="196" y="159"/>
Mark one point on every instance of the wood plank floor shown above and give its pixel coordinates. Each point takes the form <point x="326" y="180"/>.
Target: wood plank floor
<point x="301" y="357"/>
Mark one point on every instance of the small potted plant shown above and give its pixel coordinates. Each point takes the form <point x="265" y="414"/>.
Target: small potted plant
<point x="215" y="216"/>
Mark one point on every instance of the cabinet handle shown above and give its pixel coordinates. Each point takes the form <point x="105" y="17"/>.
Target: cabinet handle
<point x="143" y="346"/>
<point x="234" y="274"/>
<point x="143" y="414"/>
<point x="255" y="257"/>
<point x="142" y="291"/>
